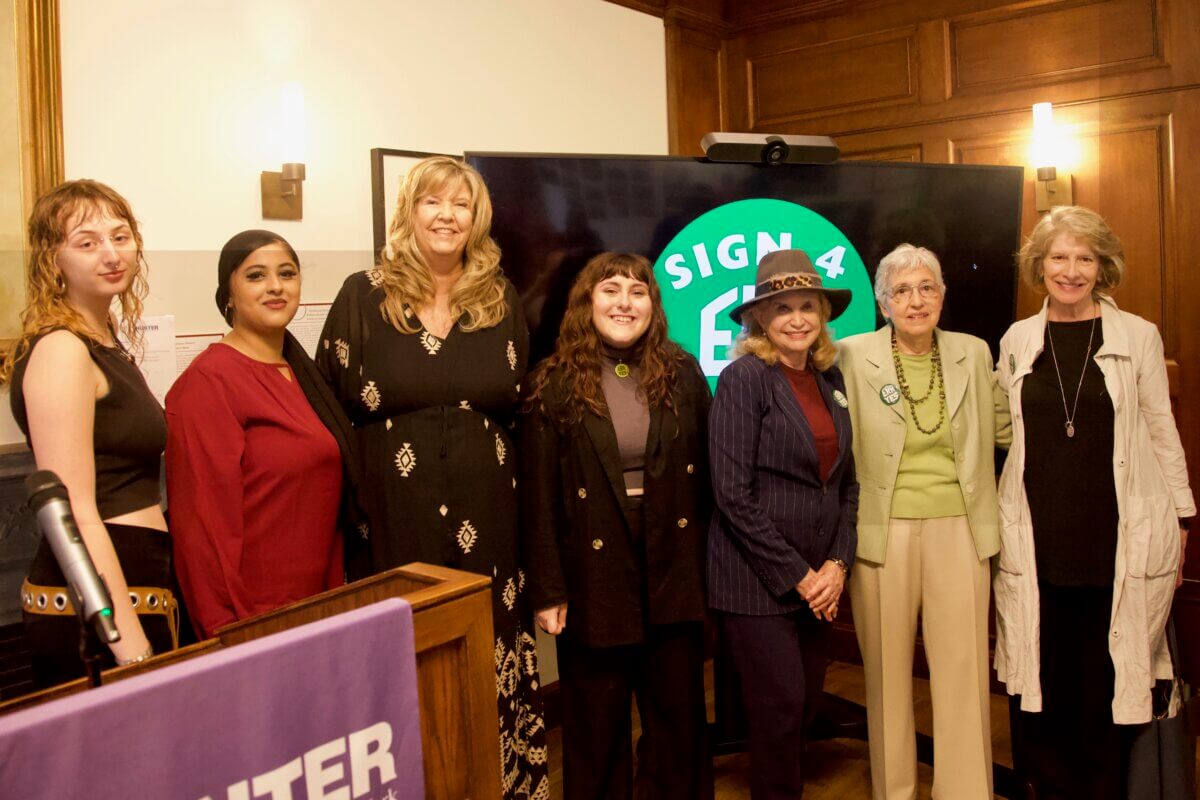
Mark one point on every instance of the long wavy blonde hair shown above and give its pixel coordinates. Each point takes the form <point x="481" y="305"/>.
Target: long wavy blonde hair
<point x="755" y="342"/>
<point x="478" y="296"/>
<point x="54" y="215"/>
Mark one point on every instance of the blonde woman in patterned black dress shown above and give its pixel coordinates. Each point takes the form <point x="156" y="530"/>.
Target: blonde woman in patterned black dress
<point x="426" y="353"/>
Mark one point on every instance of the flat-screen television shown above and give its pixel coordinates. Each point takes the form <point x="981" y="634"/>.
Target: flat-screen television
<point x="705" y="225"/>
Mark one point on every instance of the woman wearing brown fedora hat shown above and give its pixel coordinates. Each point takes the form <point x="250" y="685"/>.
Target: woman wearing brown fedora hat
<point x="785" y="537"/>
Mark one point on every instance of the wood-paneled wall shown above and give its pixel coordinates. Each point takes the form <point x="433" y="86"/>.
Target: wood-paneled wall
<point x="952" y="81"/>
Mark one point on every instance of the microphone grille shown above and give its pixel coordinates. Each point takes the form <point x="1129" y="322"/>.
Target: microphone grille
<point x="44" y="485"/>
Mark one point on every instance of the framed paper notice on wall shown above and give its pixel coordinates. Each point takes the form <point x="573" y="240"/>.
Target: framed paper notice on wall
<point x="388" y="168"/>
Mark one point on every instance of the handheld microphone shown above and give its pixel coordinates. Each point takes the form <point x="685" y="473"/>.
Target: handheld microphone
<point x="50" y="502"/>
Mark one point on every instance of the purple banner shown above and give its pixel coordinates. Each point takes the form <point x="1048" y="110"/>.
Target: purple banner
<point x="326" y="711"/>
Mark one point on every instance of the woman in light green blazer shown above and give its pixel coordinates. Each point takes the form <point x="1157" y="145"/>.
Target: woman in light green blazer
<point x="926" y="423"/>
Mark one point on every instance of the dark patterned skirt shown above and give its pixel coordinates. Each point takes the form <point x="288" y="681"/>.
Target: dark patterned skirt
<point x="443" y="491"/>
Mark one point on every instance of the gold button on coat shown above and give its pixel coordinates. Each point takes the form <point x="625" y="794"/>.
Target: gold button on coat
<point x="582" y="493"/>
<point x="690" y="469"/>
<point x="682" y="522"/>
<point x="597" y="543"/>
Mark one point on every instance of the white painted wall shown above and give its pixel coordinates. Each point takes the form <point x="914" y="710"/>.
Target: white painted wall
<point x="175" y="103"/>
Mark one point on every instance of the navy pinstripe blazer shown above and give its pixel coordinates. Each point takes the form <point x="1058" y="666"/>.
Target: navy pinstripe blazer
<point x="777" y="518"/>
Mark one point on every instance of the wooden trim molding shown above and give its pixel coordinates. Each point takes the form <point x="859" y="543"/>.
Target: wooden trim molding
<point x="816" y="80"/>
<point x="908" y="153"/>
<point x="746" y="19"/>
<point x="40" y="65"/>
<point x="695" y="85"/>
<point x="696" y="20"/>
<point x="1034" y="44"/>
<point x="655" y="8"/>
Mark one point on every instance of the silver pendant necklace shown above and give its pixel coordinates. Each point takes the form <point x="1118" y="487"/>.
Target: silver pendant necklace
<point x="1070" y="424"/>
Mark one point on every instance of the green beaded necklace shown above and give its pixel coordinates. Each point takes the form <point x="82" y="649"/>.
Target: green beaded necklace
<point x="935" y="378"/>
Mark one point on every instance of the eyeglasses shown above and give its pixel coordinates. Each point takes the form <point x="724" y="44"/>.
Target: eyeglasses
<point x="903" y="293"/>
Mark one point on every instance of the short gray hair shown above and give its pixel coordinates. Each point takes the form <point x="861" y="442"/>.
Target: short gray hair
<point x="904" y="258"/>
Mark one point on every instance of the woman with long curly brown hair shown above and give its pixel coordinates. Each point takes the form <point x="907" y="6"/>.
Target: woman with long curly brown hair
<point x="426" y="353"/>
<point x="615" y="506"/>
<point x="89" y="416"/>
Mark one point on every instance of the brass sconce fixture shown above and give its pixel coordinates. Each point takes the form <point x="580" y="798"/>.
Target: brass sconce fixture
<point x="1052" y="188"/>
<point x="283" y="193"/>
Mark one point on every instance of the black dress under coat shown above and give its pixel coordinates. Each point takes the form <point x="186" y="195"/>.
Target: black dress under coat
<point x="576" y="541"/>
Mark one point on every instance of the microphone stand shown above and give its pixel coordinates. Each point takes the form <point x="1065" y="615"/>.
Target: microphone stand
<point x="89" y="594"/>
<point x="91" y="649"/>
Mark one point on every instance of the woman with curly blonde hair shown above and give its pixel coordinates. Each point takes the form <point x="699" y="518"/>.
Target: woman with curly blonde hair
<point x="474" y="289"/>
<point x="426" y="353"/>
<point x="615" y="506"/>
<point x="89" y="416"/>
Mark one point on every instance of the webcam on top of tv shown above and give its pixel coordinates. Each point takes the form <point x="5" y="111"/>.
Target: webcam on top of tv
<point x="769" y="148"/>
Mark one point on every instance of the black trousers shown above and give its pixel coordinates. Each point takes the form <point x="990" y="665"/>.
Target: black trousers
<point x="781" y="661"/>
<point x="666" y="674"/>
<point x="1072" y="750"/>
<point x="53" y="641"/>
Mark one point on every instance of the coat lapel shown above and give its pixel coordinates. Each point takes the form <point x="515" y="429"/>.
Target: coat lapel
<point x="785" y="401"/>
<point x="881" y="370"/>
<point x="653" y="438"/>
<point x="1115" y="347"/>
<point x="953" y="373"/>
<point x="604" y="440"/>
<point x="1031" y="348"/>
<point x="841" y="421"/>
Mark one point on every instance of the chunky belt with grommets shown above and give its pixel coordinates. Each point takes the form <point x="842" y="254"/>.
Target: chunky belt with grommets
<point x="56" y="601"/>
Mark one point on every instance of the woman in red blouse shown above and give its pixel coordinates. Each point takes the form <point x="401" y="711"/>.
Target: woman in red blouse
<point x="257" y="449"/>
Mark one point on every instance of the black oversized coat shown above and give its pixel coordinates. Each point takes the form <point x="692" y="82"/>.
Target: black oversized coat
<point x="576" y="543"/>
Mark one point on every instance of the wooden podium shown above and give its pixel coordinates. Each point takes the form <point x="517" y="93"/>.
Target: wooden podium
<point x="456" y="673"/>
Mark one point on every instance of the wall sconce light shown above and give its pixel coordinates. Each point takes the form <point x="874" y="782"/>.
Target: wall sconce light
<point x="283" y="191"/>
<point x="1052" y="188"/>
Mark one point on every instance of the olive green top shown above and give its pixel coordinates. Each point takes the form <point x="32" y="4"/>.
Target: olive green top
<point x="927" y="481"/>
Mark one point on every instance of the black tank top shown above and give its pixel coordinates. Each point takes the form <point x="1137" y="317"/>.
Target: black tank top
<point x="129" y="435"/>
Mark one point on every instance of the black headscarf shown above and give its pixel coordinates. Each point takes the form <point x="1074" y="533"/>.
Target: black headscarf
<point x="310" y="381"/>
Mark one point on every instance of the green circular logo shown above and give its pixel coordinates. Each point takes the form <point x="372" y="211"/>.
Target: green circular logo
<point x="709" y="268"/>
